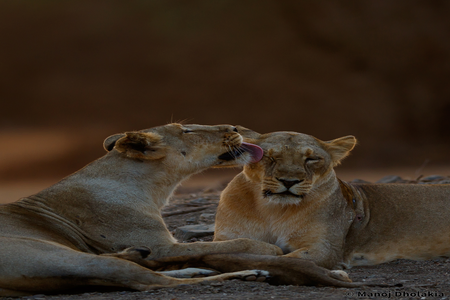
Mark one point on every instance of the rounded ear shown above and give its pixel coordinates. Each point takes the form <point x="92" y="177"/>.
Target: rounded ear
<point x="340" y="148"/>
<point x="110" y="141"/>
<point x="141" y="145"/>
<point x="248" y="134"/>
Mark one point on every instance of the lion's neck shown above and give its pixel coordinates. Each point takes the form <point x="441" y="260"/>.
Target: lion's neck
<point x="324" y="187"/>
<point x="116" y="181"/>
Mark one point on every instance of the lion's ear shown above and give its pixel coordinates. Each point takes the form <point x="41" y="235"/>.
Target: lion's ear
<point x="248" y="134"/>
<point x="340" y="148"/>
<point x="110" y="141"/>
<point x="141" y="145"/>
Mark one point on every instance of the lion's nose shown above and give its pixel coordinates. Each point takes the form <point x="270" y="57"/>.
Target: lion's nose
<point x="288" y="183"/>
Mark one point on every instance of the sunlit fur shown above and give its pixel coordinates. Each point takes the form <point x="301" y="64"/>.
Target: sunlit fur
<point x="336" y="224"/>
<point x="283" y="198"/>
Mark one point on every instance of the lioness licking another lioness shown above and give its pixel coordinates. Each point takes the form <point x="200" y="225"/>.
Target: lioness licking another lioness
<point x="79" y="231"/>
<point x="293" y="199"/>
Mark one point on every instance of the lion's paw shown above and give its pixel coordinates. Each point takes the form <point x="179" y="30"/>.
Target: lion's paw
<point x="132" y="253"/>
<point x="251" y="275"/>
<point x="340" y="275"/>
<point x="189" y="273"/>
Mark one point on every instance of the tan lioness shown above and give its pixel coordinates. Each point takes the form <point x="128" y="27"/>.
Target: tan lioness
<point x="293" y="199"/>
<point x="79" y="231"/>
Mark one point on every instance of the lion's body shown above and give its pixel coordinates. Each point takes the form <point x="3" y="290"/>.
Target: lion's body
<point x="399" y="221"/>
<point x="72" y="233"/>
<point x="243" y="212"/>
<point x="293" y="199"/>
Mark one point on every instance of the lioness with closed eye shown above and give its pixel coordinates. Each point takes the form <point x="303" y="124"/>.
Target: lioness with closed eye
<point x="293" y="199"/>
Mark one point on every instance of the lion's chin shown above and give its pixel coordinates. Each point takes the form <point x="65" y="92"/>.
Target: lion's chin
<point x="284" y="198"/>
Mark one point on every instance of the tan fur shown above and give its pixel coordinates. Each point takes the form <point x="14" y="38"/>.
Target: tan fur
<point x="79" y="231"/>
<point x="333" y="223"/>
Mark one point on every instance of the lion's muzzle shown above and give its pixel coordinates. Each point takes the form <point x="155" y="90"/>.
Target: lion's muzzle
<point x="256" y="153"/>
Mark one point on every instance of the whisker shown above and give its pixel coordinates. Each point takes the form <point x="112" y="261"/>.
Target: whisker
<point x="240" y="152"/>
<point x="231" y="150"/>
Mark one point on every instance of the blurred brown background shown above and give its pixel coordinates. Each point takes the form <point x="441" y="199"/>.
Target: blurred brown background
<point x="74" y="72"/>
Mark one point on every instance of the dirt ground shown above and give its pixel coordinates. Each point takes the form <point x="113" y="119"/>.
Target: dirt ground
<point x="195" y="204"/>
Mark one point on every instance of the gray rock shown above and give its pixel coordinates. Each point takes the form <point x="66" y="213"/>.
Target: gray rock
<point x="359" y="181"/>
<point x="191" y="220"/>
<point x="391" y="179"/>
<point x="190" y="231"/>
<point x="199" y="201"/>
<point x="207" y="217"/>
<point x="434" y="178"/>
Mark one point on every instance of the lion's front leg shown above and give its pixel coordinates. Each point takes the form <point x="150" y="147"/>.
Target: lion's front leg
<point x="324" y="259"/>
<point x="321" y="255"/>
<point x="201" y="248"/>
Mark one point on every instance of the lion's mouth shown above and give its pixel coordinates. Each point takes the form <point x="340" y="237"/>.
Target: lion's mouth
<point x="256" y="153"/>
<point x="268" y="193"/>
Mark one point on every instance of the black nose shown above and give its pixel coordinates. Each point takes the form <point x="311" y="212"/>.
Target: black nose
<point x="288" y="183"/>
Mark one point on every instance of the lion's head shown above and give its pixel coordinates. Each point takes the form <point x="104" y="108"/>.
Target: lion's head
<point x="294" y="165"/>
<point x="188" y="148"/>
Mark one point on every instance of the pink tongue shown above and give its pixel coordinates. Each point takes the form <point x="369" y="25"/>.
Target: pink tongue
<point x="256" y="152"/>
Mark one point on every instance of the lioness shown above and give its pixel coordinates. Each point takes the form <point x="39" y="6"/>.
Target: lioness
<point x="293" y="199"/>
<point x="78" y="231"/>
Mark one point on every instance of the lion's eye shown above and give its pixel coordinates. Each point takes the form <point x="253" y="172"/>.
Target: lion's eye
<point x="187" y="131"/>
<point x="270" y="158"/>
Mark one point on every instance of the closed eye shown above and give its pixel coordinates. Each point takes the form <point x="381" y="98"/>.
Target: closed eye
<point x="187" y="131"/>
<point x="271" y="158"/>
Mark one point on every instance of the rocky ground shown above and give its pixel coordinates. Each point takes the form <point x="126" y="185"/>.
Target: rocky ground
<point x="419" y="280"/>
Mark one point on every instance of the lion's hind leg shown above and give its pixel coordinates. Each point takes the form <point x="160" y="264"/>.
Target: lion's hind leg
<point x="138" y="255"/>
<point x="39" y="266"/>
<point x="34" y="266"/>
